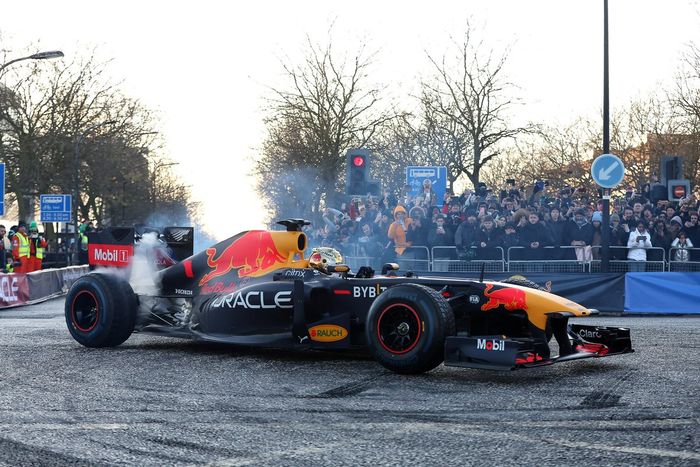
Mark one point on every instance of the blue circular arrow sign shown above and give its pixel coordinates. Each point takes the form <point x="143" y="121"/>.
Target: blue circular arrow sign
<point x="608" y="170"/>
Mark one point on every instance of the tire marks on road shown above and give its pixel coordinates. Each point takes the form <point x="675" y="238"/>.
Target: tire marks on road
<point x="353" y="388"/>
<point x="17" y="453"/>
<point x="609" y="397"/>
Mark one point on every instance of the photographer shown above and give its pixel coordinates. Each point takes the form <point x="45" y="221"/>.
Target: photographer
<point x="439" y="234"/>
<point x="638" y="243"/>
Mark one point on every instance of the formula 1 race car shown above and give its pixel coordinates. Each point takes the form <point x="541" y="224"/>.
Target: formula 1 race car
<point x="259" y="289"/>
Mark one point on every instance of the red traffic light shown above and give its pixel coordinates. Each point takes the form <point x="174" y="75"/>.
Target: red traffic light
<point x="358" y="161"/>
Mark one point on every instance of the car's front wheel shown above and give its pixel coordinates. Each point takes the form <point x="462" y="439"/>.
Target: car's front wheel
<point x="406" y="328"/>
<point x="101" y="310"/>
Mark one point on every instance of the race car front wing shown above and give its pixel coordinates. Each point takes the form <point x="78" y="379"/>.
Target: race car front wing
<point x="501" y="353"/>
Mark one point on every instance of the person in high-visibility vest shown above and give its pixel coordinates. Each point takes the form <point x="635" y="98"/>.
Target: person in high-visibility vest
<point x="83" y="247"/>
<point x="37" y="247"/>
<point x="20" y="248"/>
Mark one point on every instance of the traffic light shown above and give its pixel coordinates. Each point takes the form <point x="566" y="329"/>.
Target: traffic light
<point x="356" y="181"/>
<point x="671" y="168"/>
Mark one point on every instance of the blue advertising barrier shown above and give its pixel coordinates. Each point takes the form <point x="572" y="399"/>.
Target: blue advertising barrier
<point x="662" y="292"/>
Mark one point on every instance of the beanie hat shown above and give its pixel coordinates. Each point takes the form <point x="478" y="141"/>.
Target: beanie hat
<point x="614" y="218"/>
<point x="32" y="225"/>
<point x="677" y="219"/>
<point x="597" y="216"/>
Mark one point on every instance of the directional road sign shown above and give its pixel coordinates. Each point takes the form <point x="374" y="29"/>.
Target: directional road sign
<point x="55" y="208"/>
<point x="608" y="170"/>
<point x="437" y="175"/>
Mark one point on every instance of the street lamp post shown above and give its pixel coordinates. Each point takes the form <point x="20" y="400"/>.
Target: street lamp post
<point x="605" y="240"/>
<point x="76" y="180"/>
<point x="37" y="56"/>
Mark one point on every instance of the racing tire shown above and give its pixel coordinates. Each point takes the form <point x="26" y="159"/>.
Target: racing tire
<point x="101" y="310"/>
<point x="406" y="328"/>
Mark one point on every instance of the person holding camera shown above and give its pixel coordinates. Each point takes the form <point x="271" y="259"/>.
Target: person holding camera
<point x="439" y="234"/>
<point x="638" y="243"/>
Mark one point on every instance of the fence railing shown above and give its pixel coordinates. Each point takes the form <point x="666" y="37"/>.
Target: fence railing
<point x="450" y="259"/>
<point x="619" y="262"/>
<point x="684" y="260"/>
<point x="548" y="259"/>
<point x="523" y="260"/>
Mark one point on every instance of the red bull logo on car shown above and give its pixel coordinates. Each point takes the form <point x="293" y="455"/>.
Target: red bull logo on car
<point x="253" y="254"/>
<point x="511" y="298"/>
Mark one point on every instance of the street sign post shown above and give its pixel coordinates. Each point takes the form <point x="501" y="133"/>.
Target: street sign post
<point x="608" y="170"/>
<point x="56" y="208"/>
<point x="2" y="187"/>
<point x="437" y="175"/>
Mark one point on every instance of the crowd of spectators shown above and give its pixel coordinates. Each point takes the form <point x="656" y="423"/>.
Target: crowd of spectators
<point x="484" y="219"/>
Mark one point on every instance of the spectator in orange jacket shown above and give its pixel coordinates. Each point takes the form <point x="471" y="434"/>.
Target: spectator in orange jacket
<point x="398" y="229"/>
<point x="20" y="248"/>
<point x="37" y="247"/>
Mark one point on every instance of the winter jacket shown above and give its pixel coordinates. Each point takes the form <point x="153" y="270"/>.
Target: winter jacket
<point x="492" y="238"/>
<point x="443" y="239"/>
<point x="397" y="232"/>
<point x="637" y="247"/>
<point x="556" y="231"/>
<point x="465" y="235"/>
<point x="531" y="233"/>
<point x="575" y="232"/>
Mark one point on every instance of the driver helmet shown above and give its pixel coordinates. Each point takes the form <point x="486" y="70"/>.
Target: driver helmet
<point x="322" y="257"/>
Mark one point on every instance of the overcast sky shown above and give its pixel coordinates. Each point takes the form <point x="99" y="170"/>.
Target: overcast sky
<point x="206" y="66"/>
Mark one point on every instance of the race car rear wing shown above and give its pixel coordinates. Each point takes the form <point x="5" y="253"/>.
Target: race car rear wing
<point x="114" y="246"/>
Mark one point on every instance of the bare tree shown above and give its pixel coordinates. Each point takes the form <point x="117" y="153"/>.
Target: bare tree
<point x="328" y="107"/>
<point x="467" y="102"/>
<point x="430" y="139"/>
<point x="46" y="109"/>
<point x="685" y="99"/>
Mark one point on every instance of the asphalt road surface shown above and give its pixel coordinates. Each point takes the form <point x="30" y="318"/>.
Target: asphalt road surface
<point x="166" y="401"/>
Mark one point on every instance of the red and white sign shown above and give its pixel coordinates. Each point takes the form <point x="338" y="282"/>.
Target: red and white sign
<point x="14" y="289"/>
<point x="110" y="255"/>
<point x="679" y="191"/>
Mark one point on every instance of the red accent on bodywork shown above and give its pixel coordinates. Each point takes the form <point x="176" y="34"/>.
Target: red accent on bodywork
<point x="512" y="299"/>
<point x="342" y="292"/>
<point x="530" y="358"/>
<point x="599" y="349"/>
<point x="188" y="269"/>
<point x="250" y="253"/>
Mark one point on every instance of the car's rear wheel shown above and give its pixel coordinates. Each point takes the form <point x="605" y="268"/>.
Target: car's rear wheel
<point x="406" y="328"/>
<point x="101" y="310"/>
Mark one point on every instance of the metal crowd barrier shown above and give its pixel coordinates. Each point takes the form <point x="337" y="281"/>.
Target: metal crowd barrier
<point x="548" y="259"/>
<point x="523" y="260"/>
<point x="415" y="258"/>
<point x="446" y="259"/>
<point x="655" y="262"/>
<point x="684" y="260"/>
